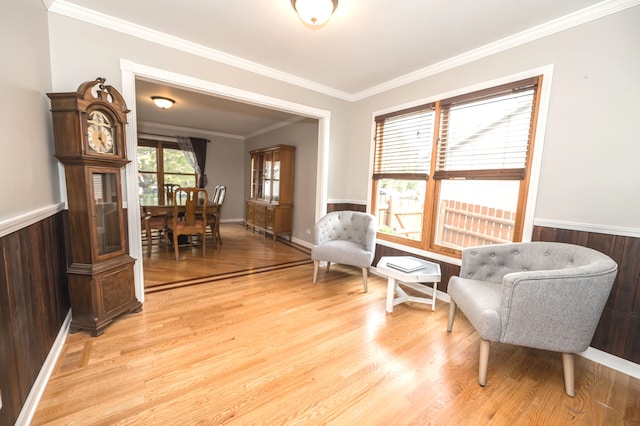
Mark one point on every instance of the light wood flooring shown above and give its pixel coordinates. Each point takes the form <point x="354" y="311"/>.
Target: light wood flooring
<point x="272" y="348"/>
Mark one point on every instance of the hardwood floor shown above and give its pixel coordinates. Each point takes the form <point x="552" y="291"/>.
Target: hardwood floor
<point x="272" y="348"/>
<point x="242" y="252"/>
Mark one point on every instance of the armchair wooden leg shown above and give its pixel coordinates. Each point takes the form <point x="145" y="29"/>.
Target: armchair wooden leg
<point x="365" y="274"/>
<point x="316" y="264"/>
<point x="452" y="315"/>
<point x="569" y="377"/>
<point x="175" y="245"/>
<point x="484" y="362"/>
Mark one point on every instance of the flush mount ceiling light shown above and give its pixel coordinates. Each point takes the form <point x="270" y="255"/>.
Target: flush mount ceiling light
<point x="162" y="102"/>
<point x="314" y="12"/>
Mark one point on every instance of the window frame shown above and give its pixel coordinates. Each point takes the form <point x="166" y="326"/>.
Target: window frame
<point x="433" y="185"/>
<point x="160" y="146"/>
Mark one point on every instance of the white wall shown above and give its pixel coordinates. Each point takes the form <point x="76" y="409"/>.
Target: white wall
<point x="225" y="166"/>
<point x="589" y="173"/>
<point x="28" y="168"/>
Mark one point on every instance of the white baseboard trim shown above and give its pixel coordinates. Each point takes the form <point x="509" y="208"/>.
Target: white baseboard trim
<point x="302" y="243"/>
<point x="619" y="364"/>
<point x="33" y="399"/>
<point x="603" y="358"/>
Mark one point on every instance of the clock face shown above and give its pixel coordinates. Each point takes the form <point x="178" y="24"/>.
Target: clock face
<point x="100" y="133"/>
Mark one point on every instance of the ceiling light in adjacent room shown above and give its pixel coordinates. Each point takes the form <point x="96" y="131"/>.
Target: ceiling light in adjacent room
<point x="162" y="102"/>
<point x="314" y="12"/>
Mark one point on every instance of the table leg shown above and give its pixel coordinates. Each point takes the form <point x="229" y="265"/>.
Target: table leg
<point x="391" y="291"/>
<point x="433" y="297"/>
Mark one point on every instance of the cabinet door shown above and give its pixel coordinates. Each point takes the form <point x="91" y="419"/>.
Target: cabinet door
<point x="108" y="226"/>
<point x="267" y="183"/>
<point x="276" y="177"/>
<point x="250" y="214"/>
<point x="270" y="222"/>
<point x="260" y="216"/>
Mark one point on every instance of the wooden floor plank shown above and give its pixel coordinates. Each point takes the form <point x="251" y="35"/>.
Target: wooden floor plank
<point x="273" y="348"/>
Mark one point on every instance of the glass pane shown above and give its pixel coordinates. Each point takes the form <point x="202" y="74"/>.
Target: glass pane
<point x="147" y="159"/>
<point x="489" y="134"/>
<point x="185" y="181"/>
<point x="476" y="212"/>
<point x="268" y="173"/>
<point x="176" y="162"/>
<point x="148" y="189"/>
<point x="399" y="207"/>
<point x="105" y="194"/>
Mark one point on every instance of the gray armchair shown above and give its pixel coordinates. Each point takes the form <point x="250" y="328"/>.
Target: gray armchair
<point x="347" y="238"/>
<point x="541" y="295"/>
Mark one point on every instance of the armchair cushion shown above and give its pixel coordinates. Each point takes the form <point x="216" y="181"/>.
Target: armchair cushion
<point x="345" y="237"/>
<point x="541" y="295"/>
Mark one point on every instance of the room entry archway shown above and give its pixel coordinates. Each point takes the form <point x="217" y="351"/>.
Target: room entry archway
<point x="131" y="70"/>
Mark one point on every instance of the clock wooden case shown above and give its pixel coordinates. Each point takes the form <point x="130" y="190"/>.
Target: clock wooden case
<point x="89" y="137"/>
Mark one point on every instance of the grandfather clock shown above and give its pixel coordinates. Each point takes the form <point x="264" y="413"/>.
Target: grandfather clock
<point x="89" y="137"/>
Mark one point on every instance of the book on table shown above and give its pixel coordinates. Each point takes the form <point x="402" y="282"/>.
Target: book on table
<point x="407" y="264"/>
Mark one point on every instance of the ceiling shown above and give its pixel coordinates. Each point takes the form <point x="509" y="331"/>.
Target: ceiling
<point x="365" y="47"/>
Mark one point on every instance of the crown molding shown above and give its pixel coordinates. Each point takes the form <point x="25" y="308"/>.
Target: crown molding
<point x="71" y="10"/>
<point x="146" y="127"/>
<point x="571" y="20"/>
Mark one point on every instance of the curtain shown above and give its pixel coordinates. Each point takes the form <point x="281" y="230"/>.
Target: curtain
<point x="200" y="150"/>
<point x="195" y="151"/>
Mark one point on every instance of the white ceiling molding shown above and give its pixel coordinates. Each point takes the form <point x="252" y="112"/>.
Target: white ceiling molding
<point x="273" y="127"/>
<point x="173" y="131"/>
<point x="591" y="13"/>
<point x="70" y="10"/>
<point x="580" y="17"/>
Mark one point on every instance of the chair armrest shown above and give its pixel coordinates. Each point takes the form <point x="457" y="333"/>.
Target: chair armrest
<point x="556" y="310"/>
<point x="370" y="239"/>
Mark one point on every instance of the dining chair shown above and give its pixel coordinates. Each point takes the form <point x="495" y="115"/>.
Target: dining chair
<point x="214" y="212"/>
<point x="194" y="203"/>
<point x="169" y="190"/>
<point x="152" y="222"/>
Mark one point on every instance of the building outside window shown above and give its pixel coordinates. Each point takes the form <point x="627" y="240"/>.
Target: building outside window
<point x="454" y="173"/>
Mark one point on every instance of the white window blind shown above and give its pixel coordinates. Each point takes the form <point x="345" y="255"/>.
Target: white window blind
<point x="403" y="144"/>
<point x="487" y="134"/>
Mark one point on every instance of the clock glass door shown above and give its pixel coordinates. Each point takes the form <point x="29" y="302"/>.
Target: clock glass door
<point x="106" y="202"/>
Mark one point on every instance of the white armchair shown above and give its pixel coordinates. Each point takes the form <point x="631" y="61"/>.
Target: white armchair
<point x="538" y="294"/>
<point x="347" y="238"/>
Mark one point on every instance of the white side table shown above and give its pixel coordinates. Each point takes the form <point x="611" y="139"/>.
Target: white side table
<point x="415" y="280"/>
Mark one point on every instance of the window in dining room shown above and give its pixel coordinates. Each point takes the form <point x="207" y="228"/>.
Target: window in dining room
<point x="160" y="163"/>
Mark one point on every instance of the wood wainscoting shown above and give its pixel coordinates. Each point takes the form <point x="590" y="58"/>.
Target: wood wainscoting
<point x="33" y="304"/>
<point x="619" y="329"/>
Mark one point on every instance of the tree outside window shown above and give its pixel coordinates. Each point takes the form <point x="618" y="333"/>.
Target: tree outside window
<point x="160" y="163"/>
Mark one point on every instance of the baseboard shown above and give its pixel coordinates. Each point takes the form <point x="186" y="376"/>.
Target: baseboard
<point x="33" y="399"/>
<point x="603" y="358"/>
<point x="616" y="363"/>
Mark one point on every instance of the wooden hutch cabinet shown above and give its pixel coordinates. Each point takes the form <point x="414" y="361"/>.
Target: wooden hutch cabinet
<point x="270" y="208"/>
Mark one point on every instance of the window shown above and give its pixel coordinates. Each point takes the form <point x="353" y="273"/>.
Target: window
<point x="401" y="169"/>
<point x="454" y="174"/>
<point x="160" y="163"/>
